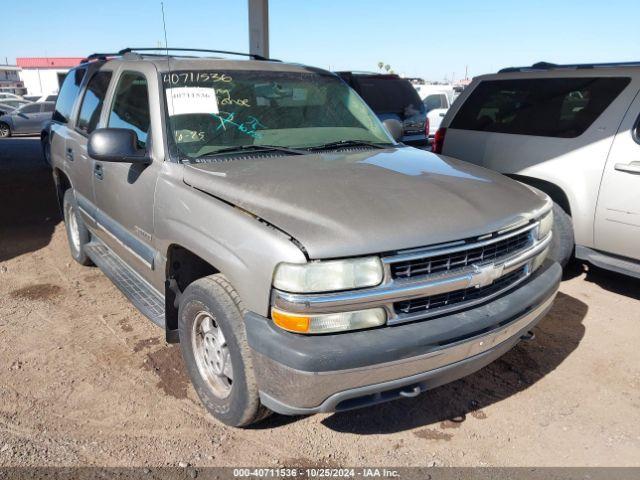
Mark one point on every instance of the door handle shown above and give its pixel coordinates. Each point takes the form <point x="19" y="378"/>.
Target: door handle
<point x="69" y="154"/>
<point x="98" y="172"/>
<point x="633" y="167"/>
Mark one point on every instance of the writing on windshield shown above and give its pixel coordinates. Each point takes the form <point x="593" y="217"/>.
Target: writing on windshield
<point x="249" y="126"/>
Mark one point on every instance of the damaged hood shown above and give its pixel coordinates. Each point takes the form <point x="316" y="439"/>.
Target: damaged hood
<point x="339" y="204"/>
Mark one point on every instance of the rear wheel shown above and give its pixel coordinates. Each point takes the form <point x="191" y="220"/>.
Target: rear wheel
<point x="216" y="353"/>
<point x="562" y="242"/>
<point x="77" y="233"/>
<point x="5" y="130"/>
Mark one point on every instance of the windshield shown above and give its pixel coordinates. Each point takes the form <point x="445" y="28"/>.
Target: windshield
<point x="213" y="110"/>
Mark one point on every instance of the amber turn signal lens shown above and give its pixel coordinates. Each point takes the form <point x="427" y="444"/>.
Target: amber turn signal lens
<point x="329" y="322"/>
<point x="293" y="323"/>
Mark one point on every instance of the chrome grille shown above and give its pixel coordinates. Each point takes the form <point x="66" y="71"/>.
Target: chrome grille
<point x="438" y="263"/>
<point x="427" y="304"/>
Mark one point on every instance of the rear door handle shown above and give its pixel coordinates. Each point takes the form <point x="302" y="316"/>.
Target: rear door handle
<point x="98" y="172"/>
<point x="69" y="154"/>
<point x="633" y="167"/>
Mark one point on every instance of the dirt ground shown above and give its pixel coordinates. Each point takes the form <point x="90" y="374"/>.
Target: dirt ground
<point x="86" y="380"/>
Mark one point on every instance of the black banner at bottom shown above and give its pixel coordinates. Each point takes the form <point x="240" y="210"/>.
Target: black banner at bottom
<point x="403" y="473"/>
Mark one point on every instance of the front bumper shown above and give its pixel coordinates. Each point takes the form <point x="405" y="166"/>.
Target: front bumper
<point x="300" y="374"/>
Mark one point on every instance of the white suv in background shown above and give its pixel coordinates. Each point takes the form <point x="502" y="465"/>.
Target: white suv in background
<point x="572" y="131"/>
<point x="436" y="99"/>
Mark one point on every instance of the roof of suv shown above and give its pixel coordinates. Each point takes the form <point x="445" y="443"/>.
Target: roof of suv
<point x="552" y="70"/>
<point x="368" y="74"/>
<point x="172" y="62"/>
<point x="547" y="66"/>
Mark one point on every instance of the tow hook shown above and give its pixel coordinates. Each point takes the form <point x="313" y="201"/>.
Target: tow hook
<point x="528" y="336"/>
<point x="414" y="392"/>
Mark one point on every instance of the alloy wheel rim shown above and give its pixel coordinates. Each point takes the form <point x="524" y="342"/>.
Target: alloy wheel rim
<point x="212" y="354"/>
<point x="74" y="229"/>
<point x="4" y="130"/>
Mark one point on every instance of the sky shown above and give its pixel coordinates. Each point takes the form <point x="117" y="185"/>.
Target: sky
<point x="428" y="39"/>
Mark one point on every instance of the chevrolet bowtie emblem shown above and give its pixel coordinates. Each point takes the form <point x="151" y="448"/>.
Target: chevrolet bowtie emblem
<point x="485" y="275"/>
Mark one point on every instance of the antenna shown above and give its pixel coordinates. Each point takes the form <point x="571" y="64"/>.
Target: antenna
<point x="164" y="27"/>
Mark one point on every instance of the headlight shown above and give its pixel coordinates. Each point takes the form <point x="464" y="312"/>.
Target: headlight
<point x="328" y="276"/>
<point x="546" y="223"/>
<point x="329" y="322"/>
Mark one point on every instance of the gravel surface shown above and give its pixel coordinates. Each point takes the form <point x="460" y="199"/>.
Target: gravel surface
<point x="86" y="380"/>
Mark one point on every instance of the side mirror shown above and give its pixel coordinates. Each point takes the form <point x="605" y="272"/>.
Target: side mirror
<point x="116" y="145"/>
<point x="394" y="127"/>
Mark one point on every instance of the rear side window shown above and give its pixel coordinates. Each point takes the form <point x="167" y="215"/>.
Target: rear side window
<point x="47" y="107"/>
<point x="33" y="108"/>
<point x="92" y="102"/>
<point x="389" y="95"/>
<point x="547" y="107"/>
<point x="130" y="107"/>
<point x="68" y="93"/>
<point x="434" y="101"/>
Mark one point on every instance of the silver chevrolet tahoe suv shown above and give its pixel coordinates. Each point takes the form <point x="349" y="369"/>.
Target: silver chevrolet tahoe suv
<point x="261" y="214"/>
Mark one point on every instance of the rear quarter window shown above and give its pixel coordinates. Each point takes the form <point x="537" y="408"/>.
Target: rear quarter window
<point x="68" y="94"/>
<point x="547" y="107"/>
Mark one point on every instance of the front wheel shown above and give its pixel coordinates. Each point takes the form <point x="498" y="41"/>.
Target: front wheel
<point x="215" y="350"/>
<point x="5" y="130"/>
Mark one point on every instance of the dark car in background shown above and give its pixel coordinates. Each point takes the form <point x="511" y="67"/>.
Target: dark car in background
<point x="392" y="97"/>
<point x="27" y="119"/>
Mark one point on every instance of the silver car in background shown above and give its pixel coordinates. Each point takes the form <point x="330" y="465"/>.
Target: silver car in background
<point x="28" y="119"/>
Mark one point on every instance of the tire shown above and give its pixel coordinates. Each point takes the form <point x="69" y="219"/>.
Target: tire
<point x="562" y="243"/>
<point x="5" y="130"/>
<point x="46" y="150"/>
<point x="77" y="233"/>
<point x="212" y="332"/>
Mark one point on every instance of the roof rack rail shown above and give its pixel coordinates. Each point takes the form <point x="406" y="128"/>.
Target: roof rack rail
<point x="578" y="66"/>
<point x="98" y="56"/>
<point x="255" y="56"/>
<point x="132" y="50"/>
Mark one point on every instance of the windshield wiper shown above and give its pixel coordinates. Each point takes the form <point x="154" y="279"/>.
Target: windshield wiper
<point x="349" y="143"/>
<point x="255" y="148"/>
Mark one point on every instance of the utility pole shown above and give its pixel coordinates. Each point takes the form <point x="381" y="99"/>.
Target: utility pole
<point x="259" y="27"/>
